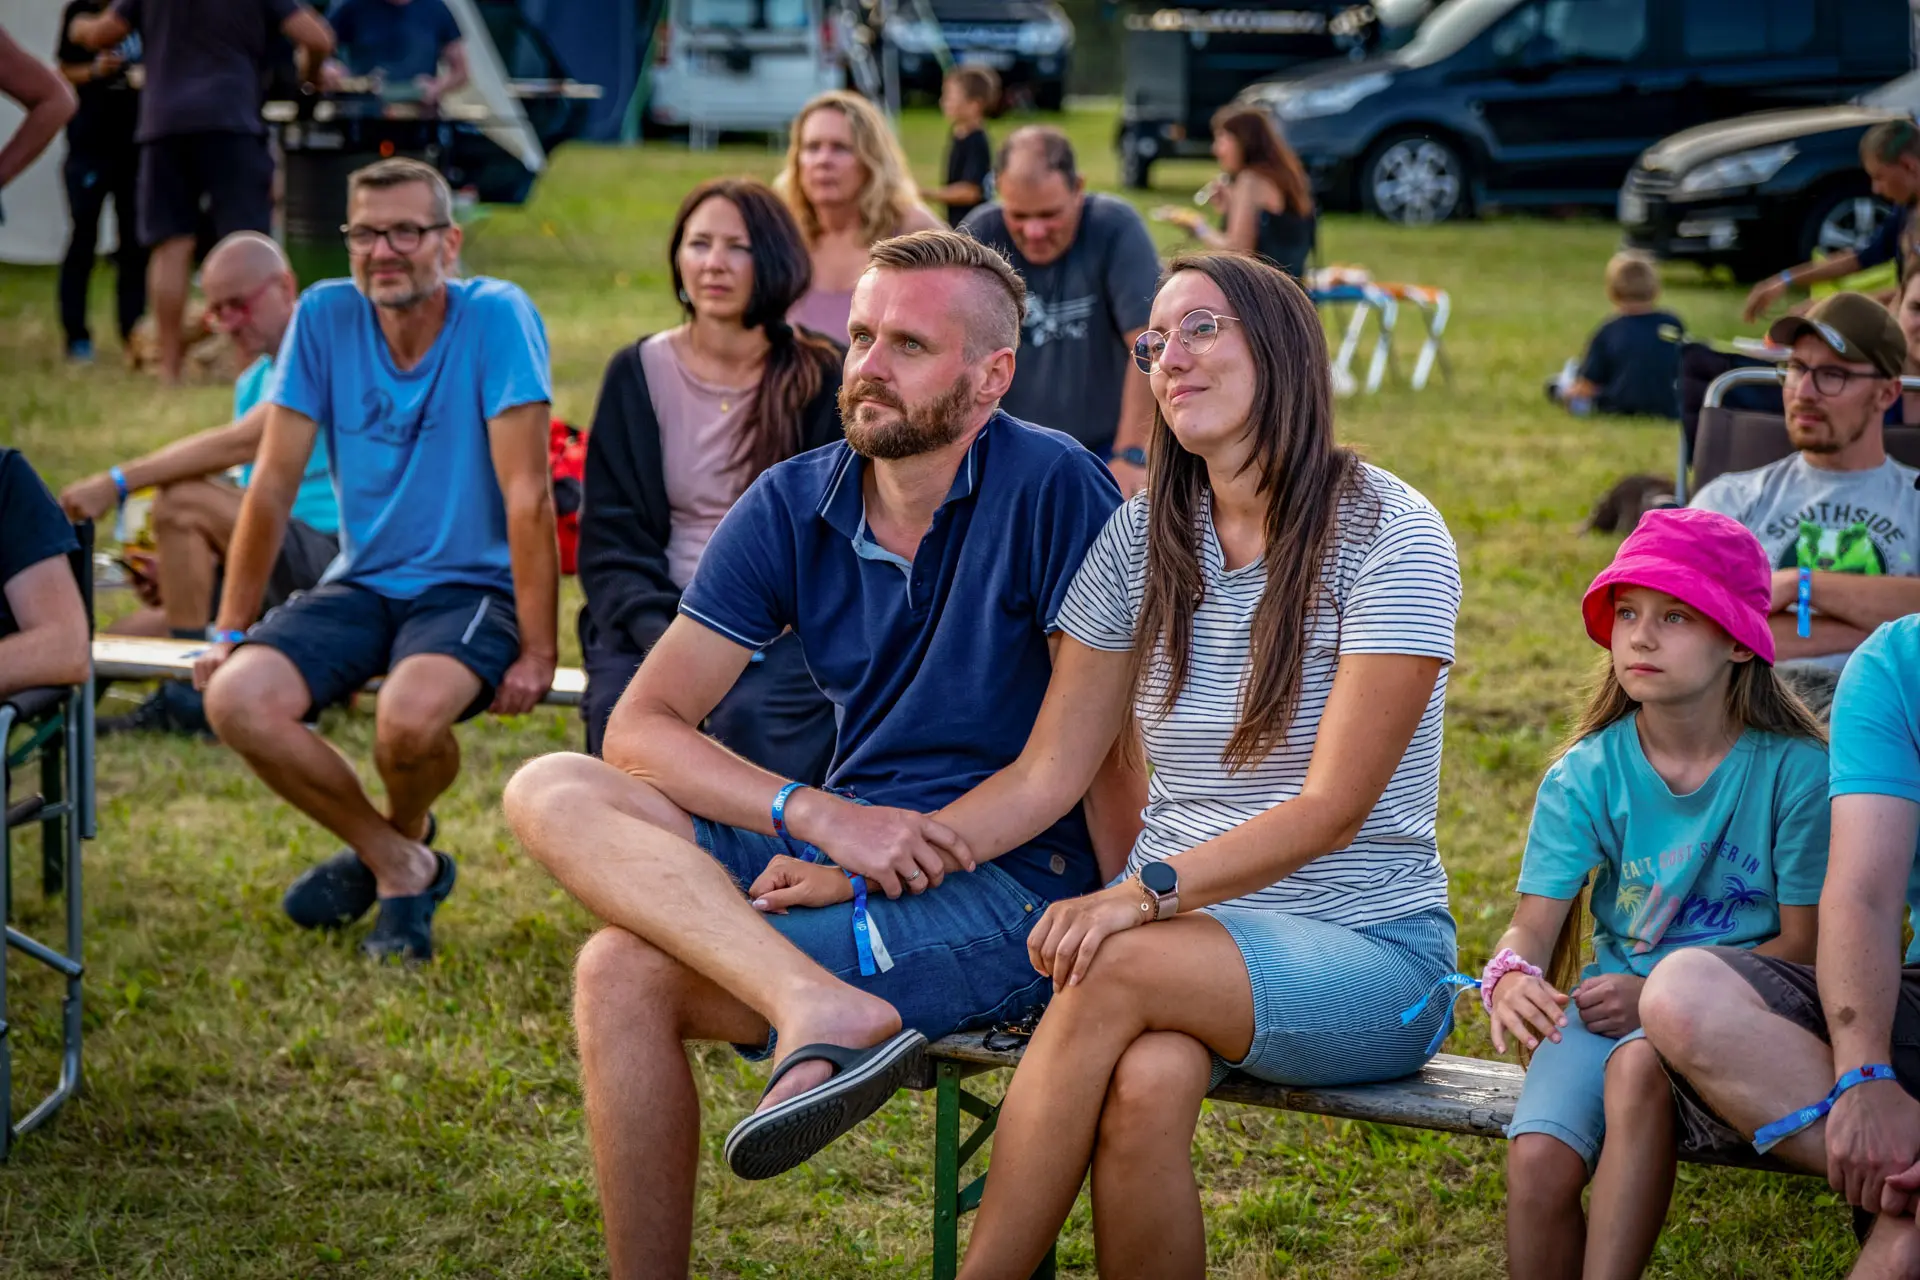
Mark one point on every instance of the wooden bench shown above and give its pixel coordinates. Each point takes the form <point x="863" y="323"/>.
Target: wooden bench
<point x="139" y="658"/>
<point x="1451" y="1094"/>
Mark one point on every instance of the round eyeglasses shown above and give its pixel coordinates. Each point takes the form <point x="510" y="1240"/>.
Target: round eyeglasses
<point x="1199" y="329"/>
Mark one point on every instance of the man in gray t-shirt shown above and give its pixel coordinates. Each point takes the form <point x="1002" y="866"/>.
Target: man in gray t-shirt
<point x="1839" y="510"/>
<point x="1090" y="269"/>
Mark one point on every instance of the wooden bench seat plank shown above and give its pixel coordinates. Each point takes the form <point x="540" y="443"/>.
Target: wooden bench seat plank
<point x="145" y="658"/>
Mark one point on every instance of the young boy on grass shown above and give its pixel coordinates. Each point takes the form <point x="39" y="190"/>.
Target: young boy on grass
<point x="965" y="98"/>
<point x="1632" y="365"/>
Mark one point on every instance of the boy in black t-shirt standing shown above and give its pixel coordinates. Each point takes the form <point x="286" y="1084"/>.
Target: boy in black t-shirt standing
<point x="102" y="161"/>
<point x="965" y="98"/>
<point x="1632" y="364"/>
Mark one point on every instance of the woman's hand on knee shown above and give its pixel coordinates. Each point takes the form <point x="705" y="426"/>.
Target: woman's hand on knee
<point x="1069" y="935"/>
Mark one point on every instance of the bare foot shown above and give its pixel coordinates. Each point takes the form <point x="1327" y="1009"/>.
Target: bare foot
<point x="421" y="869"/>
<point x="848" y="1018"/>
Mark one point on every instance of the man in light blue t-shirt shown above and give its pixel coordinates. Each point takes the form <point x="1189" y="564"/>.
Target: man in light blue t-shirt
<point x="250" y="294"/>
<point x="1757" y="1039"/>
<point x="431" y="396"/>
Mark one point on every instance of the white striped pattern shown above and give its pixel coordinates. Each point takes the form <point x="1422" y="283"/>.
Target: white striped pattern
<point x="1395" y="585"/>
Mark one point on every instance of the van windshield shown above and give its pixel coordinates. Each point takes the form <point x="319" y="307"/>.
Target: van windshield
<point x="748" y="15"/>
<point x="1451" y="28"/>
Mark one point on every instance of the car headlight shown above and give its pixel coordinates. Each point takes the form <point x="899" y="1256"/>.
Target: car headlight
<point x="1333" y="100"/>
<point x="910" y="36"/>
<point x="1741" y="169"/>
<point x="1036" y="39"/>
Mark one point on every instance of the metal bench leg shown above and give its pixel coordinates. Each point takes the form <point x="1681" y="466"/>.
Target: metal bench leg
<point x="950" y="1156"/>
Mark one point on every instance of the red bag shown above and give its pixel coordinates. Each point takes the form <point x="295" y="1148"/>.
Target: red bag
<point x="567" y="461"/>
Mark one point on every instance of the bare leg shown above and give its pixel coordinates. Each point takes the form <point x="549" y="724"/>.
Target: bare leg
<point x="141" y="622"/>
<point x="1146" y="1205"/>
<point x="192" y="525"/>
<point x="1545" y="1229"/>
<point x="169" y="268"/>
<point x="1184" y="975"/>
<point x="627" y="853"/>
<point x="414" y="746"/>
<point x="1892" y="1252"/>
<point x="255" y="703"/>
<point x="1749" y="1064"/>
<point x="1634" y="1182"/>
<point x="633" y="1006"/>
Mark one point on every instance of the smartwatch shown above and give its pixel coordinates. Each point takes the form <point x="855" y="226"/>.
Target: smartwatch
<point x="1162" y="885"/>
<point x="1136" y="455"/>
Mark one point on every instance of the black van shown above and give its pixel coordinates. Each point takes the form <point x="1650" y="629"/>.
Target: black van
<point x="1548" y="102"/>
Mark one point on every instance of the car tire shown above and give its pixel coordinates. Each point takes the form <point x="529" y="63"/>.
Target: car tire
<point x="1414" y="179"/>
<point x="1135" y="169"/>
<point x="1844" y="218"/>
<point x="1050" y="95"/>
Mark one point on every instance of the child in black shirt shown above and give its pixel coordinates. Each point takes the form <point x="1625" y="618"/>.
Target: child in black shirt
<point x="965" y="98"/>
<point x="1632" y="365"/>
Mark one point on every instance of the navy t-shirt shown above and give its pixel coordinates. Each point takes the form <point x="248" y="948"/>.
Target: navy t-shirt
<point x="1891" y="243"/>
<point x="937" y="672"/>
<point x="32" y="527"/>
<point x="401" y="41"/>
<point x="1635" y="363"/>
<point x="207" y="63"/>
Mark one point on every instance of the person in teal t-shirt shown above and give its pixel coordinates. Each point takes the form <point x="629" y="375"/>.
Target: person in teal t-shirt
<point x="198" y="481"/>
<point x="1819" y="1063"/>
<point x="1690" y="804"/>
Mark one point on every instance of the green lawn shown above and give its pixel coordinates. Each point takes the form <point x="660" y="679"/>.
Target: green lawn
<point x="260" y="1103"/>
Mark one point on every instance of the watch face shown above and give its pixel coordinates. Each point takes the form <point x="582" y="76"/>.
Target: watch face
<point x="1159" y="877"/>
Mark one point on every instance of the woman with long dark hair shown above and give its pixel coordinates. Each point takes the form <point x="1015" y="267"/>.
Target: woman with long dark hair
<point x="1275" y="617"/>
<point x="687" y="418"/>
<point x="1262" y="194"/>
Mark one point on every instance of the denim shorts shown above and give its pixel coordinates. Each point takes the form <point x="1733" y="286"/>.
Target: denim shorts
<point x="1564" y="1095"/>
<point x="959" y="950"/>
<point x="1327" y="998"/>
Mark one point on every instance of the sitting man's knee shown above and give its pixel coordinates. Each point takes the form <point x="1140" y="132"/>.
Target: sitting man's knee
<point x="547" y="787"/>
<point x="242" y="697"/>
<point x="1678" y="1003"/>
<point x="178" y="507"/>
<point x="616" y="968"/>
<point x="406" y="730"/>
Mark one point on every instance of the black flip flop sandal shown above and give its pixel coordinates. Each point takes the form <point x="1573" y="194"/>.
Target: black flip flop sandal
<point x="775" y="1140"/>
<point x="337" y="892"/>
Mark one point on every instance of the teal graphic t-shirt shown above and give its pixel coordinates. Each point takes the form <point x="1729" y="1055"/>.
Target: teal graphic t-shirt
<point x="1711" y="868"/>
<point x="1876" y="730"/>
<point x="313" y="503"/>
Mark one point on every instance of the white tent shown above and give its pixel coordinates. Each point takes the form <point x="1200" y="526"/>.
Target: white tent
<point x="35" y="203"/>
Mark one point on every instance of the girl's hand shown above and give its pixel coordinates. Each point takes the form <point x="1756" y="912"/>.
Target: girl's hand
<point x="1528" y="1008"/>
<point x="789" y="882"/>
<point x="1063" y="944"/>
<point x="1609" y="1003"/>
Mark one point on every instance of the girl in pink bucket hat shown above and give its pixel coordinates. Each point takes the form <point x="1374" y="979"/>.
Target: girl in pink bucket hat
<point x="1689" y="805"/>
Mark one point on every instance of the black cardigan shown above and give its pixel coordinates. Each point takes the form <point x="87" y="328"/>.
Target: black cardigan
<point x="625" y="520"/>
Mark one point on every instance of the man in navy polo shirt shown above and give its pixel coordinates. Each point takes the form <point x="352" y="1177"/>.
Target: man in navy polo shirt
<point x="921" y="563"/>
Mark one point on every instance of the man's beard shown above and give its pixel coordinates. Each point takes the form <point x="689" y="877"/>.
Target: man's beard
<point x="1831" y="439"/>
<point x="908" y="432"/>
<point x="416" y="290"/>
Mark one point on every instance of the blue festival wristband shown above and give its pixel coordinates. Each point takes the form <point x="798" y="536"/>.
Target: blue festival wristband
<point x="1767" y="1136"/>
<point x="119" y="479"/>
<point x="225" y="637"/>
<point x="805" y="852"/>
<point x="1458" y="982"/>
<point x="1786" y="278"/>
<point x="1804" y="605"/>
<point x="862" y="932"/>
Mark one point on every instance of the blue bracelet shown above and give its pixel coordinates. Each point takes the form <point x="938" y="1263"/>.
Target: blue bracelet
<point x="799" y="849"/>
<point x="225" y="637"/>
<point x="1803" y="606"/>
<point x="119" y="479"/>
<point x="1769" y="1135"/>
<point x="1786" y="278"/>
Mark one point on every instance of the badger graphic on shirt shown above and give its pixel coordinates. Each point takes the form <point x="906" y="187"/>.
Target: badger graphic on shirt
<point x="1844" y="550"/>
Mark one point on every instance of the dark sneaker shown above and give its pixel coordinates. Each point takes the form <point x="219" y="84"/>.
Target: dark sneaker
<point x="404" y="928"/>
<point x="337" y="892"/>
<point x="172" y="708"/>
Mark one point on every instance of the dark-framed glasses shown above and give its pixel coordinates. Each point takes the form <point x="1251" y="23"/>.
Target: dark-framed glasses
<point x="401" y="237"/>
<point x="1198" y="330"/>
<point x="1829" y="379"/>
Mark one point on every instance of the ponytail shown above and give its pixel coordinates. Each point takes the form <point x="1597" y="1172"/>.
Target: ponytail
<point x="795" y="369"/>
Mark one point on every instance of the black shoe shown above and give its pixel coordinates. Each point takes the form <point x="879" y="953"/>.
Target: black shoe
<point x="339" y="891"/>
<point x="172" y="708"/>
<point x="404" y="928"/>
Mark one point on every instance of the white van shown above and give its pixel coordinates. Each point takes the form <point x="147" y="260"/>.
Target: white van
<point x="742" y="65"/>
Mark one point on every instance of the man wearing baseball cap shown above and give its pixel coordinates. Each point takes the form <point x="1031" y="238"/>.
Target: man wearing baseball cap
<point x="1840" y="520"/>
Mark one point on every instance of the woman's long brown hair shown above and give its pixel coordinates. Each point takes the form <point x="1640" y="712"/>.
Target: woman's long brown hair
<point x="1756" y="699"/>
<point x="797" y="359"/>
<point x="1268" y="154"/>
<point x="1304" y="475"/>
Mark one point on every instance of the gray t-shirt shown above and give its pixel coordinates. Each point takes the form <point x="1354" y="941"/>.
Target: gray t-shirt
<point x="1080" y="308"/>
<point x="1840" y="521"/>
<point x="207" y="63"/>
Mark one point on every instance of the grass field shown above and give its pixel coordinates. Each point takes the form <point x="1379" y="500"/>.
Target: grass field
<point x="260" y="1103"/>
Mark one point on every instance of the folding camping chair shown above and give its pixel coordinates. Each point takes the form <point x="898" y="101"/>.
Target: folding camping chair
<point x="1434" y="307"/>
<point x="1335" y="287"/>
<point x="56" y="729"/>
<point x="1736" y="440"/>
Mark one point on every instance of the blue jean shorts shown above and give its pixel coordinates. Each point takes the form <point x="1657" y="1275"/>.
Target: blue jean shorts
<point x="1565" y="1092"/>
<point x="1327" y="998"/>
<point x="959" y="950"/>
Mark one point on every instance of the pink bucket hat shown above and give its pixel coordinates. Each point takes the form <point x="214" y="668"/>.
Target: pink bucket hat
<point x="1700" y="558"/>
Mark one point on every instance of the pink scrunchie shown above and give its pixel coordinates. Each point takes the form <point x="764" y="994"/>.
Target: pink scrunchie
<point x="1508" y="961"/>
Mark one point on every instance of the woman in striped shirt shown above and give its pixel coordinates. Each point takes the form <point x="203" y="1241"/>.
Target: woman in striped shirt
<point x="1276" y="617"/>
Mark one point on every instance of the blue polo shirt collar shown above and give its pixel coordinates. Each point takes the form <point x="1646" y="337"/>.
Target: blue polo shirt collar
<point x="844" y="505"/>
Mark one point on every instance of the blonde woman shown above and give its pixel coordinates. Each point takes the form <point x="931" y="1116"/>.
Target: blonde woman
<point x="847" y="183"/>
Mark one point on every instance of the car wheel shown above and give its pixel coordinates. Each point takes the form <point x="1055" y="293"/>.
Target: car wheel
<point x="1413" y="180"/>
<point x="1135" y="169"/>
<point x="1842" y="221"/>
<point x="1050" y="95"/>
